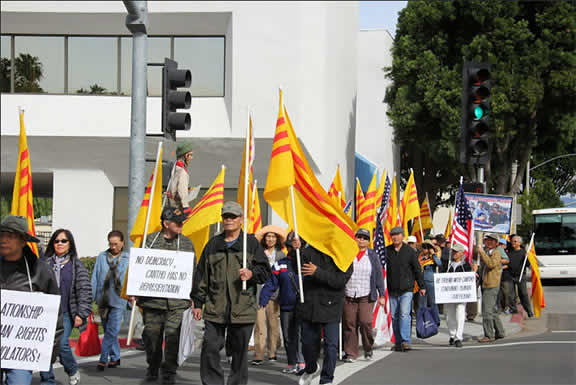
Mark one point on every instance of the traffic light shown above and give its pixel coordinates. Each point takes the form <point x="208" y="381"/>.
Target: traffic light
<point x="172" y="99"/>
<point x="476" y="113"/>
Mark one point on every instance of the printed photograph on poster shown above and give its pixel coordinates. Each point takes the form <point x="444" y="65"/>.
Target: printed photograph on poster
<point x="492" y="213"/>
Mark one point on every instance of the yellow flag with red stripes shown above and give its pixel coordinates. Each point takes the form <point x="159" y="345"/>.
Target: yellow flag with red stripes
<point x="206" y="212"/>
<point x="409" y="207"/>
<point x="366" y="216"/>
<point x="255" y="221"/>
<point x="537" y="291"/>
<point x="152" y="201"/>
<point x="241" y="179"/>
<point x="22" y="199"/>
<point x="336" y="190"/>
<point x="392" y="213"/>
<point x="448" y="230"/>
<point x="424" y="222"/>
<point x="321" y="221"/>
<point x="359" y="199"/>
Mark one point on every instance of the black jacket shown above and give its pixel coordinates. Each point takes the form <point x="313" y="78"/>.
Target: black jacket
<point x="80" y="298"/>
<point x="43" y="280"/>
<point x="323" y="291"/>
<point x="462" y="268"/>
<point x="402" y="269"/>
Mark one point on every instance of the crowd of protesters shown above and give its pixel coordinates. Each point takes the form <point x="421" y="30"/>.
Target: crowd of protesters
<point x="271" y="302"/>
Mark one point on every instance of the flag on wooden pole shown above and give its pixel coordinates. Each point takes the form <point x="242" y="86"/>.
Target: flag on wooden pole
<point x="321" y="221"/>
<point x="22" y="199"/>
<point x="410" y="208"/>
<point x="537" y="291"/>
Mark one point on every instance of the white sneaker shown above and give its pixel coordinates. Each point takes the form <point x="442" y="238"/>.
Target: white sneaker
<point x="75" y="379"/>
<point x="306" y="378"/>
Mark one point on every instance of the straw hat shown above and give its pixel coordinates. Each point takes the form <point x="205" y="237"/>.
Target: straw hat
<point x="279" y="231"/>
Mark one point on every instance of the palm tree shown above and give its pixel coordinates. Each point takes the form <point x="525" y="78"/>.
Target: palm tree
<point x="29" y="72"/>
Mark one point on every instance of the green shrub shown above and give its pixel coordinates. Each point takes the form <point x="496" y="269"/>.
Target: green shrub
<point x="89" y="262"/>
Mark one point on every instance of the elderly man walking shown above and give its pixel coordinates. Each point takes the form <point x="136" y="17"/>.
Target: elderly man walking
<point x="403" y="269"/>
<point x="228" y="308"/>
<point x="490" y="272"/>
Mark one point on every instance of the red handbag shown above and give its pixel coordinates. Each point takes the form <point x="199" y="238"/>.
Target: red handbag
<point x="89" y="343"/>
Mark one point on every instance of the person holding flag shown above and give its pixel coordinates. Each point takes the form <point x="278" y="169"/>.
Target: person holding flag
<point x="178" y="187"/>
<point x="517" y="269"/>
<point x="490" y="273"/>
<point x="219" y="298"/>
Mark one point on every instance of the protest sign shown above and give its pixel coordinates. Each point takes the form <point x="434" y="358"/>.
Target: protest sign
<point x="491" y="213"/>
<point x="28" y="328"/>
<point x="160" y="273"/>
<point x="455" y="287"/>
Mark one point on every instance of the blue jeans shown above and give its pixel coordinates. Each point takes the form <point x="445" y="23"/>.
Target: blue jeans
<point x="311" y="334"/>
<point x="66" y="356"/>
<point x="16" y="377"/>
<point x="110" y="344"/>
<point x="400" y="307"/>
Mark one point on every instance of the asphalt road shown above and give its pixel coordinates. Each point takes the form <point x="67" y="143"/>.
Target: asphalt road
<point x="544" y="352"/>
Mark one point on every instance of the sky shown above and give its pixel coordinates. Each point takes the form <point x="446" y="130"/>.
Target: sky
<point x="379" y="14"/>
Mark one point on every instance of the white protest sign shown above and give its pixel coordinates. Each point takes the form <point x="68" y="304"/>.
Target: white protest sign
<point x="160" y="273"/>
<point x="455" y="287"/>
<point x="28" y="328"/>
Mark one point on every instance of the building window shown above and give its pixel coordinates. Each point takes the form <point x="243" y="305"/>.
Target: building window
<point x="92" y="65"/>
<point x="204" y="56"/>
<point x="103" y="64"/>
<point x="158" y="49"/>
<point x="39" y="64"/>
<point x="5" y="63"/>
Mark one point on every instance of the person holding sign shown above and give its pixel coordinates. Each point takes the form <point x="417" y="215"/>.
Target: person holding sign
<point x="227" y="308"/>
<point x="456" y="312"/>
<point x="107" y="280"/>
<point x="21" y="270"/>
<point x="76" y="303"/>
<point x="491" y="271"/>
<point x="163" y="316"/>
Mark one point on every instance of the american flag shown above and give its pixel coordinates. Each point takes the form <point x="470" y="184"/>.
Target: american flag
<point x="462" y="225"/>
<point x="381" y="317"/>
<point x="348" y="207"/>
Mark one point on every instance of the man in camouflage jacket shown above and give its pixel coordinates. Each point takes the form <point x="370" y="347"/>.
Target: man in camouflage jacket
<point x="163" y="316"/>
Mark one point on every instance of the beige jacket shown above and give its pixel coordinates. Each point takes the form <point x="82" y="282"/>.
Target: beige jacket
<point x="178" y="188"/>
<point x="491" y="268"/>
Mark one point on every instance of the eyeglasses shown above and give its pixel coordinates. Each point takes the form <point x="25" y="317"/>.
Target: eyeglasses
<point x="362" y="237"/>
<point x="60" y="241"/>
<point x="229" y="216"/>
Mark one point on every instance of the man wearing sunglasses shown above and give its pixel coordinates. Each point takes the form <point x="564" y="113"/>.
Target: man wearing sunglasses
<point x="228" y="308"/>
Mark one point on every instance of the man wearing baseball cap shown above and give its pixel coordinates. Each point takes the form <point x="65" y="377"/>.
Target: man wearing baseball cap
<point x="402" y="270"/>
<point x="228" y="308"/>
<point x="163" y="316"/>
<point x="490" y="273"/>
<point x="178" y="187"/>
<point x="21" y="270"/>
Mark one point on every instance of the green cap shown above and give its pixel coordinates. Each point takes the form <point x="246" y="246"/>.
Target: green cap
<point x="183" y="148"/>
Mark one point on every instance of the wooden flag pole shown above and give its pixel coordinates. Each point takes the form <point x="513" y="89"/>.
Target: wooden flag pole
<point x="151" y="200"/>
<point x="298" y="261"/>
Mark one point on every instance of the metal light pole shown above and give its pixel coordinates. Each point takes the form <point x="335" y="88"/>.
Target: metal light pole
<point x="136" y="22"/>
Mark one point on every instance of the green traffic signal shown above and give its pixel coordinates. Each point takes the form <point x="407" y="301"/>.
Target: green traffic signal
<point x="478" y="112"/>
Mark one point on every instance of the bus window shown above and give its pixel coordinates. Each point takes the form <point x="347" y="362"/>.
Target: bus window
<point x="547" y="229"/>
<point x="568" y="233"/>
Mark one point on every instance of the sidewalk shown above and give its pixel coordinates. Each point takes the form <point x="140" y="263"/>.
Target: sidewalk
<point x="133" y="366"/>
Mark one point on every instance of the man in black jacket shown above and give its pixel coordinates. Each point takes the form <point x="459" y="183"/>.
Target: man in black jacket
<point x="20" y="270"/>
<point x="403" y="269"/>
<point x="324" y="285"/>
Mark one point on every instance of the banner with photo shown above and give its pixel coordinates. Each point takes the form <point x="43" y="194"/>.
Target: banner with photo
<point x="491" y="213"/>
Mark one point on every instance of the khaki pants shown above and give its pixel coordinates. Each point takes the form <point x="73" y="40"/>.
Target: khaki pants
<point x="357" y="317"/>
<point x="267" y="330"/>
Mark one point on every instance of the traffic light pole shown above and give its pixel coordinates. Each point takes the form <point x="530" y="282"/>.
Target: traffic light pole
<point x="136" y="22"/>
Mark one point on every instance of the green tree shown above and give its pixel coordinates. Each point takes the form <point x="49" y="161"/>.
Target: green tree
<point x="95" y="89"/>
<point x="4" y="74"/>
<point x="29" y="72"/>
<point x="531" y="46"/>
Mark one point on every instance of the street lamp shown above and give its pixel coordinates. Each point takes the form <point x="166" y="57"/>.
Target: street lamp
<point x="528" y="168"/>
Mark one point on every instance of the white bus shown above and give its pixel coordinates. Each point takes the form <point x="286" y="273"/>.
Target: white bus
<point x="555" y="242"/>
